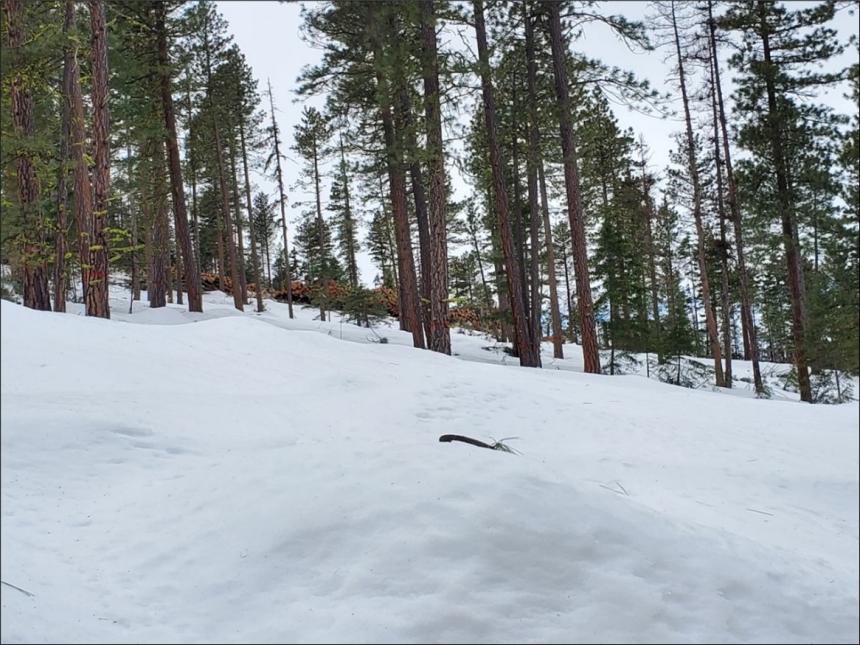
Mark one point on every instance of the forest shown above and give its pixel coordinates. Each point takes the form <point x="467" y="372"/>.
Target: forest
<point x="132" y="129"/>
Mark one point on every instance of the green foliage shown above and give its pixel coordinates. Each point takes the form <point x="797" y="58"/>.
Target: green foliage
<point x="362" y="306"/>
<point x="832" y="386"/>
<point x="315" y="263"/>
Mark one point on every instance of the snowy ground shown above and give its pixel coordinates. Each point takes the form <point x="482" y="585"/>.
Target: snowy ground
<point x="233" y="478"/>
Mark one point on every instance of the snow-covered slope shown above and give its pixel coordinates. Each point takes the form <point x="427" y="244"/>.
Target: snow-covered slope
<point x="229" y="480"/>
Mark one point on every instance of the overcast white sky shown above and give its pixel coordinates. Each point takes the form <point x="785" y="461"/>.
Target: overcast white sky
<point x="268" y="32"/>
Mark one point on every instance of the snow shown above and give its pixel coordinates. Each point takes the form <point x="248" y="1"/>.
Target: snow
<point x="227" y="477"/>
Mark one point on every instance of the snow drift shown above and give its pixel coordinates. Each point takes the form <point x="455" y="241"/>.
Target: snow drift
<point x="229" y="480"/>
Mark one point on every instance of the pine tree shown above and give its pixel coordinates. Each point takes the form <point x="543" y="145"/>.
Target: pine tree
<point x="525" y="348"/>
<point x="591" y="356"/>
<point x="785" y="51"/>
<point x="97" y="288"/>
<point x="191" y="274"/>
<point x="311" y="137"/>
<point x="344" y="219"/>
<point x="274" y="137"/>
<point x="693" y="171"/>
<point x="749" y="330"/>
<point x="438" y="338"/>
<point x="30" y="247"/>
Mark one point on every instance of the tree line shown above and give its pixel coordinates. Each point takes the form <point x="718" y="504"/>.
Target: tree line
<point x="131" y="128"/>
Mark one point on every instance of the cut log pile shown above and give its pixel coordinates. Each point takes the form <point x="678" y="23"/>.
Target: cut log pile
<point x="304" y="293"/>
<point x="465" y="317"/>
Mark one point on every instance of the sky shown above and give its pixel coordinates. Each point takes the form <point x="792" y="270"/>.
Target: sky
<point x="268" y="32"/>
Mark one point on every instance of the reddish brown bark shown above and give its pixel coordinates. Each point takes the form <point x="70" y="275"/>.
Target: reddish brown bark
<point x="393" y="121"/>
<point x="158" y="267"/>
<point x="590" y="354"/>
<point x="533" y="160"/>
<point x="97" y="289"/>
<point x="555" y="313"/>
<point x="180" y="209"/>
<point x="438" y="335"/>
<point x="439" y="339"/>
<point x="405" y="260"/>
<point x="33" y="271"/>
<point x="62" y="189"/>
<point x="517" y="297"/>
<point x="227" y="220"/>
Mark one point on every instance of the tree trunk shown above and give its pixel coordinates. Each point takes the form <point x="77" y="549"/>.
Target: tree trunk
<point x="525" y="349"/>
<point x="786" y="212"/>
<point x="555" y="314"/>
<point x="439" y="338"/>
<point x="696" y="319"/>
<point x="571" y="328"/>
<point x="268" y="260"/>
<point x="590" y="354"/>
<point x="323" y="277"/>
<point x="135" y="278"/>
<point x="282" y="201"/>
<point x="228" y="238"/>
<point x="255" y="258"/>
<point x="652" y="263"/>
<point x="34" y="275"/>
<point x="237" y="211"/>
<point x="219" y="243"/>
<point x="82" y="189"/>
<point x="485" y="288"/>
<point x="749" y="333"/>
<point x="62" y="189"/>
<point x="97" y="289"/>
<point x="192" y="163"/>
<point x="157" y="275"/>
<point x="351" y="264"/>
<point x="392" y="254"/>
<point x="393" y="132"/>
<point x="710" y="321"/>
<point x="180" y="210"/>
<point x="725" y="295"/>
<point x="409" y="313"/>
<point x="533" y="161"/>
<point x="235" y="285"/>
<point x="517" y="215"/>
<point x="419" y="197"/>
<point x="506" y="332"/>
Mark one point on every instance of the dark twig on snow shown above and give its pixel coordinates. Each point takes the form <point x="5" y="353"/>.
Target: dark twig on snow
<point x="446" y="438"/>
<point x="23" y="591"/>
<point x="496" y="445"/>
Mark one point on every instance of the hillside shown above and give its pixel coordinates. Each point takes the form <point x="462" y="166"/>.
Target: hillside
<point x="233" y="478"/>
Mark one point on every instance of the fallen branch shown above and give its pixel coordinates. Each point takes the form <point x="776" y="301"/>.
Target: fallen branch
<point x="23" y="591"/>
<point x="760" y="512"/>
<point x="447" y="438"/>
